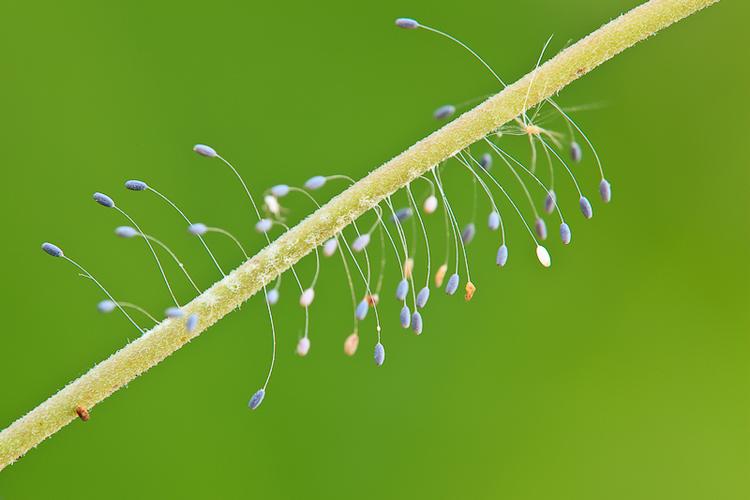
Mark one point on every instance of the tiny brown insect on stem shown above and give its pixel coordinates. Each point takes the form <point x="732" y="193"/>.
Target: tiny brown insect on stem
<point x="82" y="413"/>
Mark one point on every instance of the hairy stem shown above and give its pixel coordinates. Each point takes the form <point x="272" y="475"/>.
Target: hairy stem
<point x="239" y="285"/>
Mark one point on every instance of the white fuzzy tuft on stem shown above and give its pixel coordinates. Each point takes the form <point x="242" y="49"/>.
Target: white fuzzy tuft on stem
<point x="239" y="285"/>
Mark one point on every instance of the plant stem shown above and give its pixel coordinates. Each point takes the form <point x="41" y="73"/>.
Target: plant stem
<point x="239" y="285"/>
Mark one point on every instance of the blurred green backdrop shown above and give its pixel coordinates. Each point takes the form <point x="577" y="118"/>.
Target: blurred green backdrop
<point x="620" y="373"/>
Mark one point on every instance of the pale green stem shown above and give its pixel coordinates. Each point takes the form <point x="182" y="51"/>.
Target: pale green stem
<point x="239" y="285"/>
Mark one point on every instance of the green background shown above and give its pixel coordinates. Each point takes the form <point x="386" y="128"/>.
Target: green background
<point x="619" y="373"/>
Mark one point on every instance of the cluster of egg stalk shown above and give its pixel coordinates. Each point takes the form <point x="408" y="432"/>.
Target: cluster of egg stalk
<point x="388" y="228"/>
<point x="531" y="127"/>
<point x="175" y="311"/>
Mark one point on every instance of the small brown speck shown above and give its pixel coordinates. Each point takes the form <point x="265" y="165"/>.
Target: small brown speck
<point x="82" y="413"/>
<point x="580" y="71"/>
